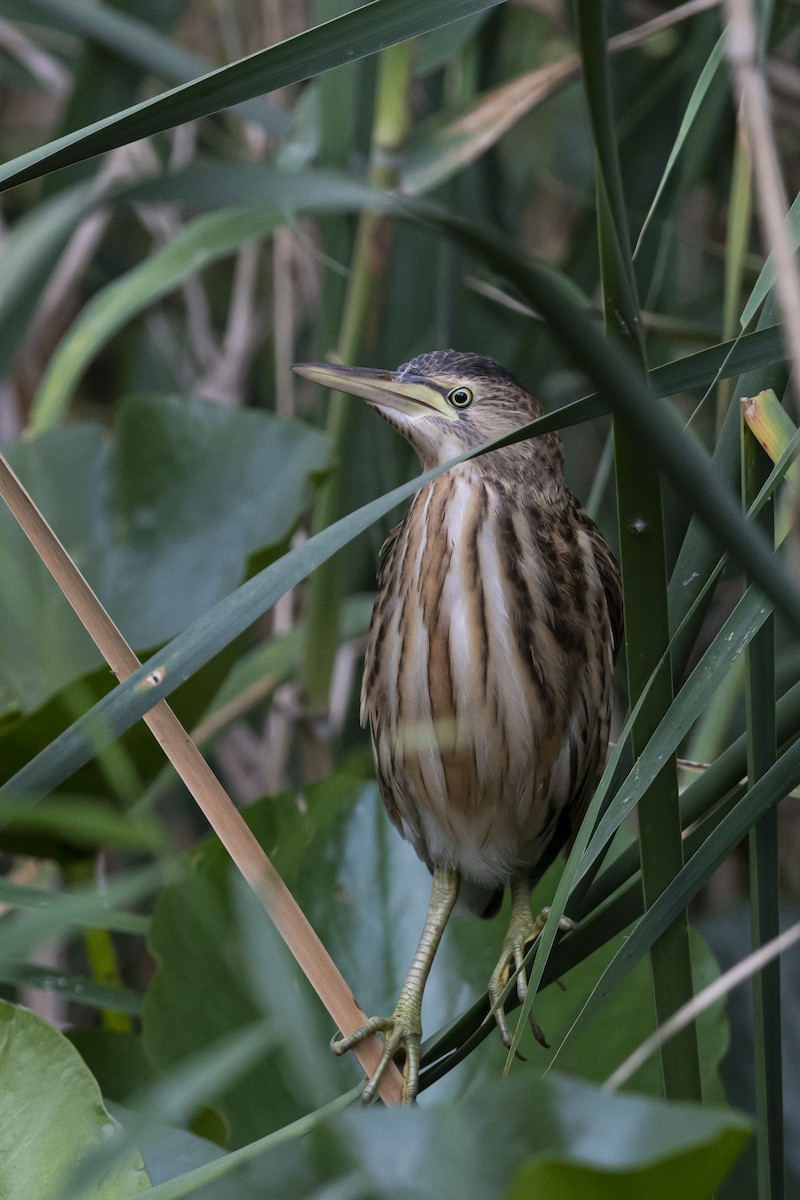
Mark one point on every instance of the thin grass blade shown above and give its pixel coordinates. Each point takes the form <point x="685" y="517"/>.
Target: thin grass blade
<point x="764" y="872"/>
<point x="342" y="40"/>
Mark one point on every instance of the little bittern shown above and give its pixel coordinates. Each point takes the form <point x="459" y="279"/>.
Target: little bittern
<point x="488" y="672"/>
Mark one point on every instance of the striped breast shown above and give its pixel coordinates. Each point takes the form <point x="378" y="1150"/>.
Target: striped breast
<point x="487" y="681"/>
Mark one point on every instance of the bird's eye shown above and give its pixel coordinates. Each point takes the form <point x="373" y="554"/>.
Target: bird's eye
<point x="460" y="397"/>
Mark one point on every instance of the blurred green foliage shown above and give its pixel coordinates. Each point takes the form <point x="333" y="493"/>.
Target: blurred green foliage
<point x="185" y="223"/>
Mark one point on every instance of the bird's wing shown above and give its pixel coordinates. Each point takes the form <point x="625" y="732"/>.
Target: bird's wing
<point x="608" y="571"/>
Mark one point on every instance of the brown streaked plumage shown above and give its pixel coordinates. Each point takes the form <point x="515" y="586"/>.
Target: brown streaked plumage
<point x="487" y="680"/>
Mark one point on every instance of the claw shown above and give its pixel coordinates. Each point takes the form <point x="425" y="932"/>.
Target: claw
<point x="512" y="959"/>
<point x="402" y="1032"/>
<point x="523" y="931"/>
<point x="340" y="1045"/>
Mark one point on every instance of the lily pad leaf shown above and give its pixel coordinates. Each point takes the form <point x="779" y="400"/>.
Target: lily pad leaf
<point x="161" y="518"/>
<point x="558" y="1138"/>
<point x="52" y="1117"/>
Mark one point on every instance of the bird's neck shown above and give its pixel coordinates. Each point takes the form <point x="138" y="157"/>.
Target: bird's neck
<point x="527" y="492"/>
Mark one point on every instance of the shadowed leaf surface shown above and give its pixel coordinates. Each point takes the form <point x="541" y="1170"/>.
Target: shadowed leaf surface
<point x="161" y="520"/>
<point x="52" y="1115"/>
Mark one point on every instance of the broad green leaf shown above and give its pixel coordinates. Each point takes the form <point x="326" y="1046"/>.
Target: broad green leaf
<point x="475" y="1150"/>
<point x="366" y="895"/>
<point x="345" y="39"/>
<point x="670" y="1160"/>
<point x="161" y="520"/>
<point x="201" y="992"/>
<point x="168" y="1152"/>
<point x="562" y="1129"/>
<point x="180" y="1164"/>
<point x="116" y="1059"/>
<point x="52" y="1115"/>
<point x="173" y="1096"/>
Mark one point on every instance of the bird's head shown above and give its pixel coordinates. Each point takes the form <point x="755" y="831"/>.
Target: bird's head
<point x="445" y="402"/>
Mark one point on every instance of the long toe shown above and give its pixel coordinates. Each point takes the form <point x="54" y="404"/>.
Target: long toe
<point x="523" y="931"/>
<point x="403" y="1035"/>
<point x="340" y="1045"/>
<point x="403" y="1030"/>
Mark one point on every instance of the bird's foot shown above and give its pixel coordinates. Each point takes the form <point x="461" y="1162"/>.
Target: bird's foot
<point x="403" y="1030"/>
<point x="402" y="1034"/>
<point x="523" y="931"/>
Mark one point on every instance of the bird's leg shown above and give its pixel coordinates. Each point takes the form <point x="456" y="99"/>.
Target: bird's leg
<point x="523" y="930"/>
<point x="403" y="1029"/>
